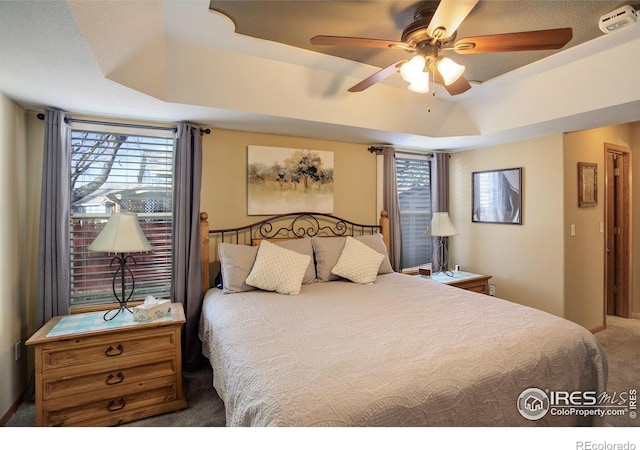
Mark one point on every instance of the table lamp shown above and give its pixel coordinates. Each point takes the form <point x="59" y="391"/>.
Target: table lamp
<point x="442" y="228"/>
<point x="122" y="235"/>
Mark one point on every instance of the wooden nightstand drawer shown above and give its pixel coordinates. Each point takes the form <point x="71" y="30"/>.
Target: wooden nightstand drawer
<point x="480" y="286"/>
<point x="65" y="385"/>
<point x="97" y="349"/>
<point x="115" y="409"/>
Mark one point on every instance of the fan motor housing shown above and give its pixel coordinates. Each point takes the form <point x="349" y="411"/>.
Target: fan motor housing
<point x="416" y="34"/>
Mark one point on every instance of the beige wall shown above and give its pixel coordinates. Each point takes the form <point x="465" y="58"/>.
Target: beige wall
<point x="526" y="261"/>
<point x="584" y="263"/>
<point x="224" y="180"/>
<point x="13" y="304"/>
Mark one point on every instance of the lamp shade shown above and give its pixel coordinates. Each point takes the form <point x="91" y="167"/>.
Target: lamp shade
<point x="121" y="234"/>
<point x="449" y="70"/>
<point x="441" y="225"/>
<point x="410" y="70"/>
<point x="421" y="83"/>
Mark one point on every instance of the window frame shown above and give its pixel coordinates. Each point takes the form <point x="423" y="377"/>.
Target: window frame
<point x="423" y="157"/>
<point x="158" y="226"/>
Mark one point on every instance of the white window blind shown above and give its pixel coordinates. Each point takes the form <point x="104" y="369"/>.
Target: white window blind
<point x="413" y="177"/>
<point x="116" y="172"/>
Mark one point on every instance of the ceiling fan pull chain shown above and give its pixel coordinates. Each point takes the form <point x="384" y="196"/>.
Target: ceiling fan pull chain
<point x="428" y="96"/>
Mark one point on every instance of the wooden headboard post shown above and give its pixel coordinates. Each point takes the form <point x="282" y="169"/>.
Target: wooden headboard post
<point x="204" y="250"/>
<point x="384" y="228"/>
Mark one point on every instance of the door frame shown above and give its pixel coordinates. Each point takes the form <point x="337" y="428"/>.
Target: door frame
<point x="624" y="277"/>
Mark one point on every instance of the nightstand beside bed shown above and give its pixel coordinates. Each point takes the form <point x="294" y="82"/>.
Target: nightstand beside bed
<point x="89" y="372"/>
<point x="465" y="280"/>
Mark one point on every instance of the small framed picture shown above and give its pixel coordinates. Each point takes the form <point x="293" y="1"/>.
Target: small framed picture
<point x="587" y="185"/>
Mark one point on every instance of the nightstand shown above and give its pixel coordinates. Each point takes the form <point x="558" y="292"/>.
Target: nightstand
<point x="465" y="280"/>
<point x="90" y="372"/>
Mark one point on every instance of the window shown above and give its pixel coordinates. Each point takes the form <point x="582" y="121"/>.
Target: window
<point x="413" y="176"/>
<point x="116" y="172"/>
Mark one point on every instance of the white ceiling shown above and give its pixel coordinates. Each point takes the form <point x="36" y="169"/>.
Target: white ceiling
<point x="169" y="61"/>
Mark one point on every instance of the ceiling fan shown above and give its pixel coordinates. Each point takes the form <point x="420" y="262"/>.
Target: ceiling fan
<point x="434" y="31"/>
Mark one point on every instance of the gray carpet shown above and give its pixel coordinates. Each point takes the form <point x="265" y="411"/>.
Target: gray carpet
<point x="620" y="341"/>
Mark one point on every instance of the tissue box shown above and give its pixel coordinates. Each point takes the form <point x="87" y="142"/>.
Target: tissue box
<point x="151" y="311"/>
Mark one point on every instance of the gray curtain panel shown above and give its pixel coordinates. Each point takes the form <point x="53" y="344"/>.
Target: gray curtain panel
<point x="391" y="205"/>
<point x="53" y="246"/>
<point x="439" y="197"/>
<point x="187" y="278"/>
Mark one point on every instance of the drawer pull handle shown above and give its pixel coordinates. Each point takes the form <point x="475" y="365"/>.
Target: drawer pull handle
<point x="114" y="351"/>
<point x="115" y="379"/>
<point x="116" y="405"/>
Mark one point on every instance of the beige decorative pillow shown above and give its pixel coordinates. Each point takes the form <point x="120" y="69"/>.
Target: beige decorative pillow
<point x="358" y="262"/>
<point x="303" y="246"/>
<point x="278" y="269"/>
<point x="327" y="251"/>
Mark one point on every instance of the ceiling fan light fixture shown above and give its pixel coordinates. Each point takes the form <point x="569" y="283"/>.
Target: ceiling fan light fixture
<point x="412" y="69"/>
<point x="449" y="70"/>
<point x="420" y="84"/>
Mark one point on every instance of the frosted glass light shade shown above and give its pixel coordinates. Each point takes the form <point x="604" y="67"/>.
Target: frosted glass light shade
<point x="121" y="234"/>
<point x="410" y="70"/>
<point x="441" y="225"/>
<point x="449" y="70"/>
<point x="421" y="83"/>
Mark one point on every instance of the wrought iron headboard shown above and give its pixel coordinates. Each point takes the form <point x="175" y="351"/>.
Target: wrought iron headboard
<point x="282" y="226"/>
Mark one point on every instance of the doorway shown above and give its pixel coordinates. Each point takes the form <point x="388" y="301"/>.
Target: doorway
<point x="617" y="231"/>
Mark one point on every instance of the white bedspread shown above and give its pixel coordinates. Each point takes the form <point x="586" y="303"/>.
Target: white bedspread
<point x="404" y="351"/>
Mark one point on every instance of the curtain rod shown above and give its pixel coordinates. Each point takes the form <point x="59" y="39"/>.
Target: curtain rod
<point x="130" y="125"/>
<point x="378" y="151"/>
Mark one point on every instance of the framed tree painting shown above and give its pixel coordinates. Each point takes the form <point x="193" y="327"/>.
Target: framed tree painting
<point x="497" y="196"/>
<point x="285" y="180"/>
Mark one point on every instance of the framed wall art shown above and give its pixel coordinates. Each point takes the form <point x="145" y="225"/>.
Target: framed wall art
<point x="587" y="185"/>
<point x="497" y="196"/>
<point x="285" y="180"/>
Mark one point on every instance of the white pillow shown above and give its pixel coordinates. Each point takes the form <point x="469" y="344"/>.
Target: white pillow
<point x="278" y="269"/>
<point x="358" y="262"/>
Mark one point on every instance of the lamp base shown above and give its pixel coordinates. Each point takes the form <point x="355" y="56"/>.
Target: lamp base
<point x="442" y="252"/>
<point x="122" y="270"/>
<point x="123" y="307"/>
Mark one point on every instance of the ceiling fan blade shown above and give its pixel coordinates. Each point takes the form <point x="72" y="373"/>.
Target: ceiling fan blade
<point x="347" y="41"/>
<point x="377" y="77"/>
<point x="457" y="87"/>
<point x="513" y="42"/>
<point x="448" y="17"/>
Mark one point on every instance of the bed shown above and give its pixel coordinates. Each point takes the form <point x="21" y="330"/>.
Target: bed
<point x="396" y="351"/>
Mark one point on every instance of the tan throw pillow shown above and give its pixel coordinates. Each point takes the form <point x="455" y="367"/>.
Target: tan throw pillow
<point x="376" y="242"/>
<point x="358" y="262"/>
<point x="278" y="269"/>
<point x="235" y="264"/>
<point x="327" y="251"/>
